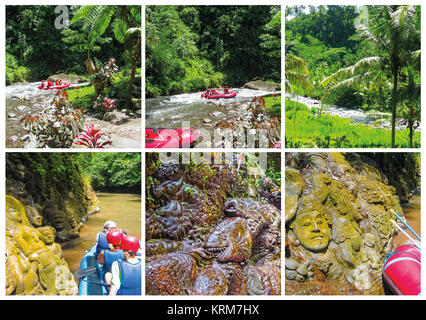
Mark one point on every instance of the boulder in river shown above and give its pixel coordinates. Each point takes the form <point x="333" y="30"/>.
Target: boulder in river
<point x="67" y="78"/>
<point x="263" y="85"/>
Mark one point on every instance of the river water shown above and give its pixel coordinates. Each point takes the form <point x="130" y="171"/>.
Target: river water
<point x="170" y="111"/>
<point x="357" y="115"/>
<point x="412" y="215"/>
<point x="26" y="99"/>
<point x="123" y="208"/>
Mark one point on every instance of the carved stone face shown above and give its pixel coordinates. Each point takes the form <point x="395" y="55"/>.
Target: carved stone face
<point x="370" y="191"/>
<point x="312" y="230"/>
<point x="34" y="216"/>
<point x="230" y="240"/>
<point x="48" y="234"/>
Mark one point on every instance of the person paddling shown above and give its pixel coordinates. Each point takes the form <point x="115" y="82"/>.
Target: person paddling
<point x="226" y="90"/>
<point x="101" y="237"/>
<point x="108" y="256"/>
<point x="125" y="276"/>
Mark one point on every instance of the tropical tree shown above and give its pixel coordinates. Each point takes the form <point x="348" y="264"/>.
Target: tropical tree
<point x="126" y="23"/>
<point x="395" y="32"/>
<point x="409" y="95"/>
<point x="296" y="73"/>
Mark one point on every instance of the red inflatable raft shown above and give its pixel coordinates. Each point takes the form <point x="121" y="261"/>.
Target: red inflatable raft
<point x="402" y="269"/>
<point x="219" y="96"/>
<point x="53" y="85"/>
<point x="170" y="138"/>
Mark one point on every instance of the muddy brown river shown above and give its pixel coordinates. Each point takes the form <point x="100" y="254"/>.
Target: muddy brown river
<point x="123" y="208"/>
<point x="412" y="214"/>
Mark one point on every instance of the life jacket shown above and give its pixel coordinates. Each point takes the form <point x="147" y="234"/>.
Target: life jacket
<point x="111" y="256"/>
<point x="130" y="278"/>
<point x="101" y="243"/>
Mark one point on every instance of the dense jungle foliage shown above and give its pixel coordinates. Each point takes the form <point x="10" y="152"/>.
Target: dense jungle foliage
<point x="196" y="47"/>
<point x="364" y="57"/>
<point x="112" y="171"/>
<point x="37" y="49"/>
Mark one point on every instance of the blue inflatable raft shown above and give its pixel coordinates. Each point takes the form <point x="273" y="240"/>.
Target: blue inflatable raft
<point x="94" y="283"/>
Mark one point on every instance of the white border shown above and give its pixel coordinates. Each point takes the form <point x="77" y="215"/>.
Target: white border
<point x="143" y="151"/>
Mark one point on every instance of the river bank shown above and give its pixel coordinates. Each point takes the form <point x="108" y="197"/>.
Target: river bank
<point x="26" y="99"/>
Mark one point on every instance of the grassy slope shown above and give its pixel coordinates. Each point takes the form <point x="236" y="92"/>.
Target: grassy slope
<point x="303" y="129"/>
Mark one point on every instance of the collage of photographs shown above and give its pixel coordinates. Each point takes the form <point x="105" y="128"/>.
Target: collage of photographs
<point x="196" y="209"/>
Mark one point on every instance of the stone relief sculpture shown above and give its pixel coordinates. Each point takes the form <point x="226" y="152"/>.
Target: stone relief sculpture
<point x="34" y="261"/>
<point x="338" y="227"/>
<point x="205" y="236"/>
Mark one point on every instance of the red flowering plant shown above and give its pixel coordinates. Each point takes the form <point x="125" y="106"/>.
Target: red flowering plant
<point x="92" y="138"/>
<point x="103" y="105"/>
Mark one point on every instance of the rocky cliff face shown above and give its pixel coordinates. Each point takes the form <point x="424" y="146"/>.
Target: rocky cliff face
<point x="338" y="228"/>
<point x="46" y="201"/>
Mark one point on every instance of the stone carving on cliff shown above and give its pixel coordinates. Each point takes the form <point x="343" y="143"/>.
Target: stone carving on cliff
<point x="338" y="227"/>
<point x="205" y="237"/>
<point x="34" y="261"/>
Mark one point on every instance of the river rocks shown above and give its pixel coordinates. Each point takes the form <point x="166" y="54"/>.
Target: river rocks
<point x="116" y="117"/>
<point x="338" y="228"/>
<point x="21" y="108"/>
<point x="34" y="261"/>
<point x="263" y="85"/>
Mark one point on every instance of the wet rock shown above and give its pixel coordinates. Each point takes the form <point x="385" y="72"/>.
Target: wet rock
<point x="13" y="139"/>
<point x="11" y="115"/>
<point x="21" y="108"/>
<point x="116" y="117"/>
<point x="262" y="85"/>
<point x="67" y="78"/>
<point x="217" y="114"/>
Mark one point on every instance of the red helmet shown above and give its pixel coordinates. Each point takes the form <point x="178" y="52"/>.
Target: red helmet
<point x="130" y="243"/>
<point x="115" y="236"/>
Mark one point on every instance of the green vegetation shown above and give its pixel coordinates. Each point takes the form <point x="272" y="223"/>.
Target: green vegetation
<point x="325" y="131"/>
<point x="112" y="171"/>
<point x="357" y="57"/>
<point x="15" y="72"/>
<point x="36" y="49"/>
<point x="273" y="104"/>
<point x="195" y="47"/>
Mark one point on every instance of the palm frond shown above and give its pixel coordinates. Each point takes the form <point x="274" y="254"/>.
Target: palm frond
<point x="346" y="84"/>
<point x="81" y="14"/>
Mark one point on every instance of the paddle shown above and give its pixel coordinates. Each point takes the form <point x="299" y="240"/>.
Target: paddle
<point x="406" y="224"/>
<point x="405" y="233"/>
<point x="84" y="272"/>
<point x="97" y="282"/>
